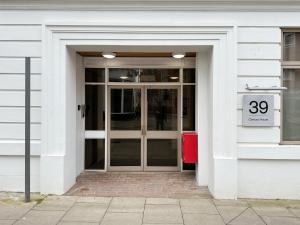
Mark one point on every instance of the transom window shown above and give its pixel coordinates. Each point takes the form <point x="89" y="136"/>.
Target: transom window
<point x="290" y="131"/>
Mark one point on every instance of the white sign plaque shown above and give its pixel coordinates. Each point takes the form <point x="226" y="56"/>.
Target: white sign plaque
<point x="258" y="110"/>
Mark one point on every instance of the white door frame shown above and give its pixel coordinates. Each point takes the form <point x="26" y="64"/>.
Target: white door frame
<point x="215" y="68"/>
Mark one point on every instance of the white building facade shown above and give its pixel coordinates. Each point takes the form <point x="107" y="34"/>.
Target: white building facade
<point x="234" y="45"/>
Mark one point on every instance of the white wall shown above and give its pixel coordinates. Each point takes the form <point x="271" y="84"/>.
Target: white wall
<point x="17" y="41"/>
<point x="269" y="179"/>
<point x="258" y="54"/>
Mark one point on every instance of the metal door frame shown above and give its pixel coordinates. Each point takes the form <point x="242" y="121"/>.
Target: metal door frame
<point x="163" y="134"/>
<point x="132" y="134"/>
<point x="125" y="134"/>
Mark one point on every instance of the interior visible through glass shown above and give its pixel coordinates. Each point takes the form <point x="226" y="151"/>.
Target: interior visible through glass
<point x="162" y="152"/>
<point x="162" y="109"/>
<point x="95" y="107"/>
<point x="189" y="75"/>
<point x="123" y="75"/>
<point x="95" y="75"/>
<point x="143" y="75"/>
<point x="125" y="152"/>
<point x="94" y="154"/>
<point x="159" y="75"/>
<point x="291" y="105"/>
<point x="188" y="108"/>
<point x="125" y="109"/>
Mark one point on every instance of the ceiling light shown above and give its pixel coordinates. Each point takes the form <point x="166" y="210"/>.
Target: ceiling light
<point x="178" y="55"/>
<point x="173" y="78"/>
<point x="123" y="77"/>
<point x="109" y="55"/>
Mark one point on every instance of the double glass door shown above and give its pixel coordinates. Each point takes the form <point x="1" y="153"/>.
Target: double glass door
<point x="143" y="128"/>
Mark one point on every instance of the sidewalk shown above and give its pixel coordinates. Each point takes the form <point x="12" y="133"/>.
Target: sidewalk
<point x="70" y="210"/>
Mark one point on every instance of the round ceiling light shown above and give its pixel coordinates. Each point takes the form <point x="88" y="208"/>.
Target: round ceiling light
<point x="109" y="55"/>
<point x="178" y="55"/>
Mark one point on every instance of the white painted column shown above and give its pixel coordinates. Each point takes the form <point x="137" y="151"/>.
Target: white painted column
<point x="224" y="119"/>
<point x="203" y="112"/>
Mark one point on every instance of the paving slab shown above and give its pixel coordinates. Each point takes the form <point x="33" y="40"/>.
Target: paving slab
<point x="162" y="224"/>
<point x="202" y="219"/>
<point x="120" y="204"/>
<point x="219" y="202"/>
<point x="295" y="211"/>
<point x="248" y="217"/>
<point x="14" y="210"/>
<point x="205" y="206"/>
<point x="162" y="201"/>
<point x="228" y="213"/>
<point x="281" y="220"/>
<point x="6" y="222"/>
<point x="56" y="203"/>
<point x="122" y="219"/>
<point x="94" y="200"/>
<point x="85" y="212"/>
<point x="162" y="214"/>
<point x="271" y="202"/>
<point x="77" y="223"/>
<point x="272" y="211"/>
<point x="35" y="217"/>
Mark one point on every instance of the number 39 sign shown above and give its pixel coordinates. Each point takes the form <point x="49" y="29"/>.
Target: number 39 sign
<point x="258" y="110"/>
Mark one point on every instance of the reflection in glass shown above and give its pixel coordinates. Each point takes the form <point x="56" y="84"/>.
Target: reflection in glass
<point x="161" y="152"/>
<point x="95" y="107"/>
<point x="291" y="46"/>
<point x="159" y="75"/>
<point x="125" y="109"/>
<point x="188" y="108"/>
<point x="189" y="76"/>
<point x="94" y="75"/>
<point x="94" y="154"/>
<point x="125" y="152"/>
<point x="123" y="75"/>
<point x="162" y="109"/>
<point x="291" y="105"/>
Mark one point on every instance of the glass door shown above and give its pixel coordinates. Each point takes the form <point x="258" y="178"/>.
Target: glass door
<point x="144" y="128"/>
<point x="161" y="136"/>
<point x="125" y="124"/>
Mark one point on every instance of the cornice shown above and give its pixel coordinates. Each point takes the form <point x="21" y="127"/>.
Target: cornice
<point x="150" y="5"/>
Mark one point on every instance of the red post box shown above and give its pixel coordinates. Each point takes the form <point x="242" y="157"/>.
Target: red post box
<point x="190" y="147"/>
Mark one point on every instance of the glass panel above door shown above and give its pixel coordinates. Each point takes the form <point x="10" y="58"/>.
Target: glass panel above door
<point x="95" y="75"/>
<point x="162" y="109"/>
<point x="125" y="113"/>
<point x="159" y="75"/>
<point x="189" y="76"/>
<point x="123" y="75"/>
<point x="143" y="75"/>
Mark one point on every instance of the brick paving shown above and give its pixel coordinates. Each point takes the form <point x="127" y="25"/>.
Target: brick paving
<point x="82" y="210"/>
<point x="138" y="184"/>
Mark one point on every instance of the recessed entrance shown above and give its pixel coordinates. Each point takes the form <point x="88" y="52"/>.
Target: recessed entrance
<point x="135" y="111"/>
<point x="144" y="128"/>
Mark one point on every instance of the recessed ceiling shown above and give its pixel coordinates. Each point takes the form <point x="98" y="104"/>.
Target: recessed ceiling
<point x="135" y="54"/>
